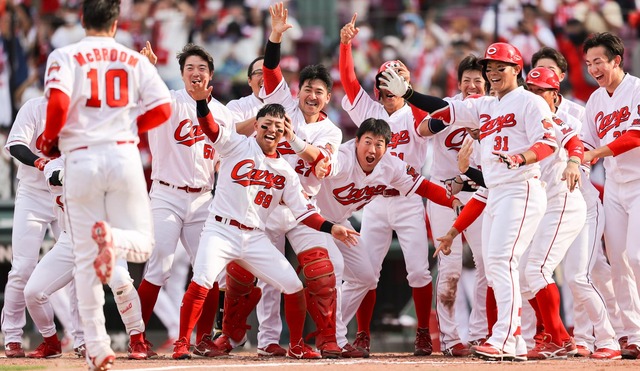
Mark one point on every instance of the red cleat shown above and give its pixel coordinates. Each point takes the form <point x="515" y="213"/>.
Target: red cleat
<point x="349" y="351"/>
<point x="423" y="346"/>
<point x="272" y="350"/>
<point x="14" y="350"/>
<point x="491" y="353"/>
<point x="363" y="341"/>
<point x="47" y="350"/>
<point x="547" y="350"/>
<point x="583" y="351"/>
<point x="207" y="348"/>
<point x="103" y="364"/>
<point x="181" y="349"/>
<point x="137" y="350"/>
<point x="106" y="259"/>
<point x="458" y="350"/>
<point x="302" y="351"/>
<point x="604" y="353"/>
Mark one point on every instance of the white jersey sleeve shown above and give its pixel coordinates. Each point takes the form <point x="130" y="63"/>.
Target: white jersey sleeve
<point x="245" y="108"/>
<point x="26" y="129"/>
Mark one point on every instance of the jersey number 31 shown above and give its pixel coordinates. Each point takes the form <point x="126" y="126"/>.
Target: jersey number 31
<point x="116" y="86"/>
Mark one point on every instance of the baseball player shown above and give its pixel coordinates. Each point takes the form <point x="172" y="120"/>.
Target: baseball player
<point x="561" y="224"/>
<point x="253" y="179"/>
<point x="93" y="89"/>
<point x="33" y="213"/>
<point x="405" y="215"/>
<point x="245" y="109"/>
<point x="312" y="129"/>
<point x="591" y="317"/>
<point x="612" y="121"/>
<point x="55" y="271"/>
<point x="363" y="171"/>
<point x="446" y="145"/>
<point x="183" y="171"/>
<point x="516" y="129"/>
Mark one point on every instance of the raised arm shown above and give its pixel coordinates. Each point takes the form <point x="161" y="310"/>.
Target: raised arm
<point x="271" y="67"/>
<point x="201" y="94"/>
<point x="347" y="70"/>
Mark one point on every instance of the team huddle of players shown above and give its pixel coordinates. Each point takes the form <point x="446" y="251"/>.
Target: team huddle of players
<point x="515" y="159"/>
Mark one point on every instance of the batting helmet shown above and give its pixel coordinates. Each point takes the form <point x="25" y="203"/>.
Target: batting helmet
<point x="544" y="78"/>
<point x="388" y="64"/>
<point x="503" y="52"/>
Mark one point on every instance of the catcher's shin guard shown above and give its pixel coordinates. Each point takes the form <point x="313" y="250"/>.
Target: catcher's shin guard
<point x="241" y="298"/>
<point x="320" y="292"/>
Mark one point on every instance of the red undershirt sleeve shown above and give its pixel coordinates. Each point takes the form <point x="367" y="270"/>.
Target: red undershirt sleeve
<point x="469" y="214"/>
<point x="542" y="150"/>
<point x="154" y="117"/>
<point x="313" y="221"/>
<point x="575" y="147"/>
<point x="625" y="142"/>
<point x="348" y="73"/>
<point x="434" y="193"/>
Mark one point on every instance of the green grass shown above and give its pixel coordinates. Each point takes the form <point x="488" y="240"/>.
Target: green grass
<point x="20" y="368"/>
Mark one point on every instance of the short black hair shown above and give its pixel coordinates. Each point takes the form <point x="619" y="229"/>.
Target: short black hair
<point x="100" y="14"/>
<point x="250" y="69"/>
<point x="271" y="109"/>
<point x="612" y="44"/>
<point x="550" y="53"/>
<point x="469" y="63"/>
<point x="193" y="49"/>
<point x="376" y="127"/>
<point x="316" y="72"/>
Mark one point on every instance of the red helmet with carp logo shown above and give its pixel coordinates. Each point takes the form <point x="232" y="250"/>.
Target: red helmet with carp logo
<point x="503" y="52"/>
<point x="544" y="78"/>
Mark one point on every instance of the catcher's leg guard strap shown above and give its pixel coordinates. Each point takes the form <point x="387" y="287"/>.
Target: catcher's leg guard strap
<point x="241" y="298"/>
<point x="128" y="303"/>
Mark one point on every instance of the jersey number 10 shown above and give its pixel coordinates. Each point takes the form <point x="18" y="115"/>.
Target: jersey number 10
<point x="114" y="79"/>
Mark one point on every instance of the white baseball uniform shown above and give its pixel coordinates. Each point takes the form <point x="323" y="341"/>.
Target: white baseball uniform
<point x="245" y="107"/>
<point x="516" y="200"/>
<point x="606" y="118"/>
<point x="250" y="187"/>
<point x="347" y="189"/>
<point x="592" y="324"/>
<point x="282" y="223"/>
<point x="33" y="213"/>
<point x="382" y="216"/>
<point x="446" y="145"/>
<point x="183" y="172"/>
<point x="105" y="82"/>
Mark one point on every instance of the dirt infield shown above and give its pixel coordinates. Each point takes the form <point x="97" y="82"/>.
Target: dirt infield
<point x="378" y="362"/>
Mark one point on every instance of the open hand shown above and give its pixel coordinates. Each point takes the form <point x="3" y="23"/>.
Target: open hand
<point x="347" y="236"/>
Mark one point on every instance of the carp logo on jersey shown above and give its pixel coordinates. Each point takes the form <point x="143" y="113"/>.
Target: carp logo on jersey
<point x="349" y="194"/>
<point x="188" y="134"/>
<point x="399" y="139"/>
<point x="245" y="174"/>
<point x="563" y="127"/>
<point x="454" y="140"/>
<point x="54" y="67"/>
<point x="412" y="172"/>
<point x="604" y="123"/>
<point x="490" y="126"/>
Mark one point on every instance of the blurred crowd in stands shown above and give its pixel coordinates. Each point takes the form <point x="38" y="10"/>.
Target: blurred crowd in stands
<point x="429" y="36"/>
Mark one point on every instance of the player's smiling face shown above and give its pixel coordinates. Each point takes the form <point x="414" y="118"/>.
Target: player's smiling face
<point x="605" y="71"/>
<point x="195" y="70"/>
<point x="472" y="83"/>
<point x="269" y="132"/>
<point x="256" y="80"/>
<point x="312" y="98"/>
<point x="502" y="76"/>
<point x="390" y="102"/>
<point x="369" y="150"/>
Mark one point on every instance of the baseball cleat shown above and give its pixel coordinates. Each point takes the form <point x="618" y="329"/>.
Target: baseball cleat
<point x="137" y="350"/>
<point x="272" y="350"/>
<point x="330" y="350"/>
<point x="80" y="351"/>
<point x="423" y="346"/>
<point x="223" y="343"/>
<point x="458" y="350"/>
<point x="490" y="353"/>
<point x="570" y="347"/>
<point x="474" y="343"/>
<point x="302" y="351"/>
<point x="101" y="363"/>
<point x="14" y="350"/>
<point x="106" y="259"/>
<point x="363" y="341"/>
<point x="604" y="353"/>
<point x="349" y="351"/>
<point x="207" y="348"/>
<point x="630" y="351"/>
<point x="547" y="349"/>
<point x="181" y="349"/>
<point x="583" y="351"/>
<point x="47" y="350"/>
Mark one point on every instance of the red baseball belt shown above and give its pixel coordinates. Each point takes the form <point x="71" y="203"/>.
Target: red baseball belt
<point x="233" y="222"/>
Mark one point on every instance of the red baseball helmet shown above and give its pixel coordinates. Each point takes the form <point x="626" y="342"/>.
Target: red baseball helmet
<point x="388" y="64"/>
<point x="544" y="78"/>
<point x="503" y="52"/>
